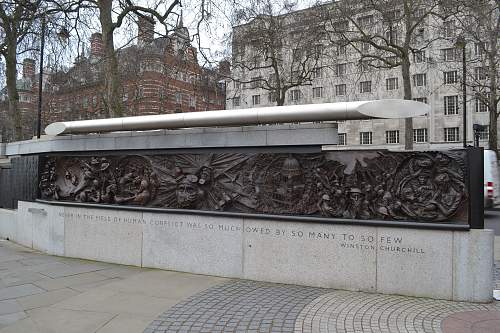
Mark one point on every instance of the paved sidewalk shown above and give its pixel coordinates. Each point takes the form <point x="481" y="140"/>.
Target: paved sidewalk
<point x="41" y="293"/>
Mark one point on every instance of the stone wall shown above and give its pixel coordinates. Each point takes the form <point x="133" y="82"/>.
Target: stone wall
<point x="453" y="265"/>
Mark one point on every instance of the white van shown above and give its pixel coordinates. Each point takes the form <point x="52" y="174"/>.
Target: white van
<point x="491" y="179"/>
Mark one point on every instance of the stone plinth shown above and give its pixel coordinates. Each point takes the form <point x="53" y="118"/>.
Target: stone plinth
<point x="442" y="264"/>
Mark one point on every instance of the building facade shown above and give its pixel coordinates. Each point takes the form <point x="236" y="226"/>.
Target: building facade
<point x="158" y="76"/>
<point x="340" y="74"/>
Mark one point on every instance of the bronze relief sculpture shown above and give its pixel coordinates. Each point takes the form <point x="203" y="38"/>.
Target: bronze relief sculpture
<point x="381" y="185"/>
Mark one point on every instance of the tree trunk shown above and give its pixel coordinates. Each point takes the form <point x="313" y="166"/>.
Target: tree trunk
<point x="405" y="71"/>
<point x="493" y="98"/>
<point x="493" y="109"/>
<point x="280" y="100"/>
<point x="111" y="77"/>
<point x="11" y="74"/>
<point x="493" y="134"/>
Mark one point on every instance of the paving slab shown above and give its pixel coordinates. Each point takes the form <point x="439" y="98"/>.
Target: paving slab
<point x="21" y="325"/>
<point x="68" y="321"/>
<point x="70" y="270"/>
<point x="45" y="299"/>
<point x="9" y="306"/>
<point x="10" y="318"/>
<point x="70" y="281"/>
<point x="20" y="291"/>
<point x="126" y="323"/>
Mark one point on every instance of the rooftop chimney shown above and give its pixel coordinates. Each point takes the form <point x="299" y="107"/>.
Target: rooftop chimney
<point x="96" y="45"/>
<point x="146" y="30"/>
<point x="28" y="68"/>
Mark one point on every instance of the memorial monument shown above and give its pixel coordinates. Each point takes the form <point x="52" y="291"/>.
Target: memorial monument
<point x="263" y="202"/>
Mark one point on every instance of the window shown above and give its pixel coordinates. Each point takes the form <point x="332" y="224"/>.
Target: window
<point x="451" y="134"/>
<point x="393" y="60"/>
<point x="317" y="72"/>
<point x="420" y="12"/>
<point x="342" y="139"/>
<point x="365" y="86"/>
<point x="317" y="92"/>
<point x="420" y="135"/>
<point x="178" y="98"/>
<point x="341" y="49"/>
<point x="391" y="83"/>
<point x="364" y="66"/>
<point x="449" y="54"/>
<point x="237" y="85"/>
<point x="365" y="138"/>
<point x="341" y="26"/>
<point x="255" y="99"/>
<point x="139" y="92"/>
<point x="364" y="47"/>
<point x="192" y="101"/>
<point x="484" y="134"/>
<point x="449" y="29"/>
<point x="419" y="57"/>
<point x="392" y="15"/>
<point x="391" y="35"/>
<point x="295" y="95"/>
<point x="340" y="89"/>
<point x="450" y="105"/>
<point x="318" y="50"/>
<point x="85" y="102"/>
<point x="340" y="69"/>
<point x="391" y="137"/>
<point x="480" y="73"/>
<point x="236" y="101"/>
<point x="296" y="54"/>
<point x="480" y="48"/>
<point x="255" y="82"/>
<point x="94" y="101"/>
<point x="271" y="97"/>
<point x="481" y="106"/>
<point x="256" y="60"/>
<point x="450" y="77"/>
<point x="365" y="21"/>
<point x="421" y="100"/>
<point x="420" y="80"/>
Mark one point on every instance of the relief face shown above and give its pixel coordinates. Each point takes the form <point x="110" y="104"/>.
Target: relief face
<point x="401" y="186"/>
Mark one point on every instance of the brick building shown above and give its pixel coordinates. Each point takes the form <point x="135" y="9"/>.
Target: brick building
<point x="158" y="75"/>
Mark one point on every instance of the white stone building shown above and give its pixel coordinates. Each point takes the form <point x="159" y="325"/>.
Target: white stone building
<point x="340" y="76"/>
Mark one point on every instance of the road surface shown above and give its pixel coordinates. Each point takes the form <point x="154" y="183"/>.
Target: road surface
<point x="492" y="220"/>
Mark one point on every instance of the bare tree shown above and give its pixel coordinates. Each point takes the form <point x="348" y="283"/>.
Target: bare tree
<point x="16" y="19"/>
<point x="479" y="22"/>
<point x="385" y="33"/>
<point x="275" y="49"/>
<point x="20" y="27"/>
<point x="112" y="15"/>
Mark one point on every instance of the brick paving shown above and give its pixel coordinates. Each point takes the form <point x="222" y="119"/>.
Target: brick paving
<point x="238" y="306"/>
<point x="248" y="306"/>
<point x="344" y="311"/>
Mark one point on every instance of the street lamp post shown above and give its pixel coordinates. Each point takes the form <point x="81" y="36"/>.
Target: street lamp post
<point x="461" y="43"/>
<point x="63" y="34"/>
<point x="40" y="82"/>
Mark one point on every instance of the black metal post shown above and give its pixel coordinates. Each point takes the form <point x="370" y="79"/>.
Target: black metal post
<point x="464" y="91"/>
<point x="475" y="183"/>
<point x="40" y="82"/>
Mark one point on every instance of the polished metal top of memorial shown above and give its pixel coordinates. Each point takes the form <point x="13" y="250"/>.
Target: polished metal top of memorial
<point x="389" y="108"/>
